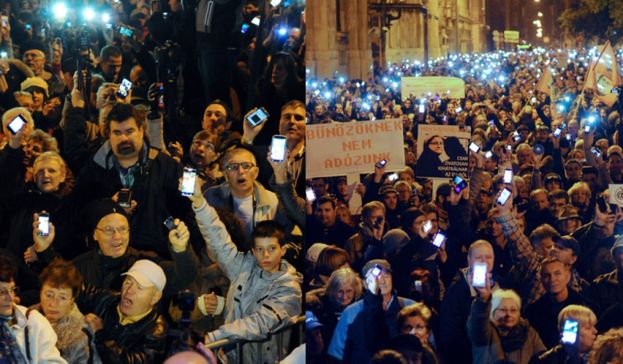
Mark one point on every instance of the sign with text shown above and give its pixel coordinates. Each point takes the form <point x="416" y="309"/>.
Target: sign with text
<point x="452" y="87"/>
<point x="511" y="36"/>
<point x="442" y="151"/>
<point x="615" y="194"/>
<point x="338" y="149"/>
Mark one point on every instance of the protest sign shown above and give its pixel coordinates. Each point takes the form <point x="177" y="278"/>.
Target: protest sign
<point x="442" y="151"/>
<point x="615" y="194"/>
<point x="339" y="149"/>
<point x="452" y="87"/>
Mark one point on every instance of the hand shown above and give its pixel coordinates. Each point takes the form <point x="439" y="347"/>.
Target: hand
<point x="50" y="106"/>
<point x="211" y="302"/>
<point x="77" y="100"/>
<point x="5" y="32"/>
<point x="279" y="168"/>
<point x="94" y="322"/>
<point x="479" y="158"/>
<point x="30" y="255"/>
<point x="154" y="91"/>
<point x="601" y="218"/>
<point x="360" y="188"/>
<point x="128" y="210"/>
<point x="454" y="197"/>
<point x="176" y="150"/>
<point x="179" y="236"/>
<point x="16" y="141"/>
<point x="57" y="51"/>
<point x="41" y="242"/>
<point x="378" y="173"/>
<point x="250" y="131"/>
<point x="507" y="207"/>
<point x="484" y="292"/>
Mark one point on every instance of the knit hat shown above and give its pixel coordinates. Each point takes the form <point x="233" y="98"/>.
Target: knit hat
<point x="393" y="241"/>
<point x="98" y="209"/>
<point x="34" y="82"/>
<point x="384" y="264"/>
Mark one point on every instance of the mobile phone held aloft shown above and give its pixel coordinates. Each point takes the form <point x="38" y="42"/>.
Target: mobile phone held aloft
<point x="438" y="239"/>
<point x="16" y="124"/>
<point x="382" y="163"/>
<point x="459" y="184"/>
<point x="124" y="198"/>
<point x="479" y="275"/>
<point x="508" y="176"/>
<point x="506" y="193"/>
<point x="44" y="224"/>
<point x="570" y="331"/>
<point x="127" y="31"/>
<point x="278" y="148"/>
<point x="311" y="196"/>
<point x="125" y="87"/>
<point x="474" y="147"/>
<point x="258" y="116"/>
<point x="188" y="181"/>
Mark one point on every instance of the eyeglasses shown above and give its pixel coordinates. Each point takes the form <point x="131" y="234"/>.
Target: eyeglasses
<point x="271" y="250"/>
<point x="110" y="231"/>
<point x="11" y="291"/>
<point x="235" y="166"/>
<point x="420" y="329"/>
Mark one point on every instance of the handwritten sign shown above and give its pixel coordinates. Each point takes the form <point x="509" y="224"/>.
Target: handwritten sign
<point x="452" y="87"/>
<point x="338" y="149"/>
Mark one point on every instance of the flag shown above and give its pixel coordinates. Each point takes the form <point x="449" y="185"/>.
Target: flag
<point x="545" y="82"/>
<point x="603" y="75"/>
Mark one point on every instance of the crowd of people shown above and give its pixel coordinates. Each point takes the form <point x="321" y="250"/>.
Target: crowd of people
<point x="144" y="211"/>
<point x="522" y="269"/>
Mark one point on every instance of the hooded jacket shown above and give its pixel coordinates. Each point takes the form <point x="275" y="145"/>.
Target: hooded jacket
<point x="258" y="303"/>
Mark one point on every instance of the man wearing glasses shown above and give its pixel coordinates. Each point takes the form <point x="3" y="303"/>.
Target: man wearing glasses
<point x="112" y="255"/>
<point x="25" y="336"/>
<point x="243" y="196"/>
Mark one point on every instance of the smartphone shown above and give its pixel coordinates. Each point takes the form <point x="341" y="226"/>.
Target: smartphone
<point x="570" y="331"/>
<point x="188" y="181"/>
<point x="479" y="277"/>
<point x="568" y="137"/>
<point x="427" y="226"/>
<point x="170" y="223"/>
<point x="244" y="28"/>
<point x="380" y="164"/>
<point x="4" y="55"/>
<point x="459" y="184"/>
<point x="124" y="197"/>
<point x="278" y="148"/>
<point x="256" y="21"/>
<point x="392" y="177"/>
<point x="516" y="136"/>
<point x="127" y="31"/>
<point x="509" y="148"/>
<point x="16" y="124"/>
<point x="508" y="176"/>
<point x="5" y="21"/>
<point x="506" y="193"/>
<point x="557" y="132"/>
<point x="587" y="128"/>
<point x="538" y="149"/>
<point x="438" y="239"/>
<point x="44" y="224"/>
<point x="258" y="116"/>
<point x="533" y="100"/>
<point x="311" y="195"/>
<point x="376" y="271"/>
<point x="418" y="286"/>
<point x="596" y="152"/>
<point x="125" y="87"/>
<point x="421" y="108"/>
<point x="474" y="147"/>
<point x="489" y="154"/>
<point x="28" y="26"/>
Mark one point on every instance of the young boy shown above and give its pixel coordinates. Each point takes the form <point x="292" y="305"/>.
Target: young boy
<point x="265" y="291"/>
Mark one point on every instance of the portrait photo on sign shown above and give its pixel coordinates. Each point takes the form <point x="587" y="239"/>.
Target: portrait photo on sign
<point x="442" y="151"/>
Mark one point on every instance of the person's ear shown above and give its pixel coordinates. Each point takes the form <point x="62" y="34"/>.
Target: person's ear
<point x="155" y="297"/>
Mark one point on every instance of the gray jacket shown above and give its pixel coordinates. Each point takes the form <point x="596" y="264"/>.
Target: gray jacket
<point x="258" y="303"/>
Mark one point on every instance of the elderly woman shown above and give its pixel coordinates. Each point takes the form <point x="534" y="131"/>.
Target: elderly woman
<point x="433" y="154"/>
<point x="497" y="331"/>
<point x="415" y="319"/>
<point x="60" y="285"/>
<point x="343" y="288"/>
<point x="579" y="351"/>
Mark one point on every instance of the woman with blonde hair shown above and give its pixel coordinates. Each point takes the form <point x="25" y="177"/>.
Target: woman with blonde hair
<point x="343" y="288"/>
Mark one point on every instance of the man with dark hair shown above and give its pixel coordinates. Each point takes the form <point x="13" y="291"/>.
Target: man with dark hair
<point x="25" y="335"/>
<point x="111" y="60"/>
<point x="324" y="227"/>
<point x="127" y="160"/>
<point x="265" y="291"/>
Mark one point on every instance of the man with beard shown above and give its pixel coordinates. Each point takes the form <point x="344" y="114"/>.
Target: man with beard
<point x="127" y="160"/>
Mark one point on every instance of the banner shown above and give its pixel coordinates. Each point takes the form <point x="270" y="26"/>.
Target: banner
<point x="545" y="82"/>
<point x="452" y="87"/>
<point x="615" y="194"/>
<point x="442" y="151"/>
<point x="511" y="36"/>
<point x="338" y="149"/>
<point x="603" y="75"/>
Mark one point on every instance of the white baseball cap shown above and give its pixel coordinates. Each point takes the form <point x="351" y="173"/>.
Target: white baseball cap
<point x="147" y="274"/>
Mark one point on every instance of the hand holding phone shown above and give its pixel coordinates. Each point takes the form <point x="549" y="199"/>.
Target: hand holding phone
<point x="372" y="279"/>
<point x="16" y="124"/>
<point x="439" y="239"/>
<point x="124" y="198"/>
<point x="504" y="196"/>
<point x="124" y="88"/>
<point x="170" y="223"/>
<point x="188" y="181"/>
<point x="311" y="195"/>
<point x="380" y="164"/>
<point x="257" y="117"/>
<point x="479" y="275"/>
<point x="569" y="333"/>
<point x="278" y="148"/>
<point x="459" y="184"/>
<point x="474" y="147"/>
<point x="44" y="224"/>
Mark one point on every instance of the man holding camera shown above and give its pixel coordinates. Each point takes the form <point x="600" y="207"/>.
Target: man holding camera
<point x="127" y="327"/>
<point x="366" y="325"/>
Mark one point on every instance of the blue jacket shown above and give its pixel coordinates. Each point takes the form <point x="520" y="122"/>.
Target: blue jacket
<point x="364" y="328"/>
